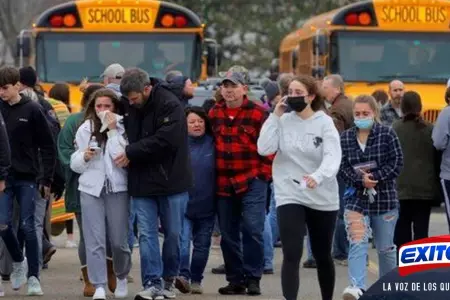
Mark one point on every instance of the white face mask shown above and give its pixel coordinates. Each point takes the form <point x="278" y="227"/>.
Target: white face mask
<point x="328" y="104"/>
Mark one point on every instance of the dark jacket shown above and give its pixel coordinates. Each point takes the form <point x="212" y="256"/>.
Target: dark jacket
<point x="29" y="135"/>
<point x="58" y="182"/>
<point x="5" y="151"/>
<point x="342" y="113"/>
<point x="158" y="145"/>
<point x="202" y="195"/>
<point x="419" y="178"/>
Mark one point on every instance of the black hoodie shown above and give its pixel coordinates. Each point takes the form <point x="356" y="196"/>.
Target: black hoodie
<point x="158" y="149"/>
<point x="28" y="130"/>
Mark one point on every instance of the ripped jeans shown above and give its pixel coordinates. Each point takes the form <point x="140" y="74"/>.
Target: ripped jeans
<point x="359" y="229"/>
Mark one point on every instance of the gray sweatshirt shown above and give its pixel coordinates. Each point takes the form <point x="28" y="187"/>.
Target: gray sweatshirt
<point x="441" y="133"/>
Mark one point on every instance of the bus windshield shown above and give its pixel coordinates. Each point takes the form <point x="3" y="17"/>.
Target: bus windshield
<point x="383" y="56"/>
<point x="70" y="57"/>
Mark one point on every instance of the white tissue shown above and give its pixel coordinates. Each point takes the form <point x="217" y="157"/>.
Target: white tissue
<point x="102" y="117"/>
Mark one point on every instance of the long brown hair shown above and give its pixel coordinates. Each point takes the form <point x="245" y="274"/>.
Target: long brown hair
<point x="411" y="107"/>
<point x="91" y="115"/>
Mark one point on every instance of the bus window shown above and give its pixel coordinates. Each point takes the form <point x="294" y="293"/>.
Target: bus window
<point x="381" y="56"/>
<point x="108" y="52"/>
<point x="70" y="57"/>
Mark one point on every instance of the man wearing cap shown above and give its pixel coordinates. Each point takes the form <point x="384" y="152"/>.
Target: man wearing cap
<point x="112" y="76"/>
<point x="245" y="74"/>
<point x="242" y="181"/>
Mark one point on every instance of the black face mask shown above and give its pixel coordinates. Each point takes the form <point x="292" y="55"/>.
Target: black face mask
<point x="297" y="103"/>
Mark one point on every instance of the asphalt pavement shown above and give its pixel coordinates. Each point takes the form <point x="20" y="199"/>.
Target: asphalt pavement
<point x="62" y="279"/>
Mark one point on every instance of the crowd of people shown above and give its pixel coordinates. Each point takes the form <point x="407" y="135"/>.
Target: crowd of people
<point x="138" y="160"/>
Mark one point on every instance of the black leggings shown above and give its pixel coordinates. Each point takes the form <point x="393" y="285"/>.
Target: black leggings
<point x="292" y="222"/>
<point x="69" y="226"/>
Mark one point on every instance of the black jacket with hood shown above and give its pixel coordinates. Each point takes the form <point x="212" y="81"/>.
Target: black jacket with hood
<point x="158" y="147"/>
<point x="29" y="135"/>
<point x="5" y="151"/>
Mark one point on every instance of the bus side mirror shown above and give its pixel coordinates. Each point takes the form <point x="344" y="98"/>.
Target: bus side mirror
<point x="318" y="72"/>
<point x="23" y="46"/>
<point x="320" y="44"/>
<point x="214" y="57"/>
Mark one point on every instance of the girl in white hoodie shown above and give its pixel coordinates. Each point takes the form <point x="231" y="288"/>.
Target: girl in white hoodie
<point x="103" y="190"/>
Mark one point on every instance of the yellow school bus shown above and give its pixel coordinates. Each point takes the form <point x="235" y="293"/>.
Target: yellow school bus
<point x="373" y="42"/>
<point x="81" y="38"/>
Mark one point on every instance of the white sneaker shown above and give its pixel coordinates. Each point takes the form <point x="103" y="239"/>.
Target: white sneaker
<point x="71" y="244"/>
<point x="34" y="287"/>
<point x="19" y="274"/>
<point x="100" y="294"/>
<point x="352" y="293"/>
<point x="121" y="288"/>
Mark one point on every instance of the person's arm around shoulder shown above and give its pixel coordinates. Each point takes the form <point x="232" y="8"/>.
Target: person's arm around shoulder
<point x="80" y="159"/>
<point x="168" y="137"/>
<point x="394" y="157"/>
<point x="269" y="136"/>
<point x="441" y="130"/>
<point x="5" y="154"/>
<point x="331" y="154"/>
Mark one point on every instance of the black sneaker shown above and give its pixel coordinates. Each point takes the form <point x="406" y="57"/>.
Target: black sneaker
<point x="219" y="270"/>
<point x="232" y="289"/>
<point x="268" y="271"/>
<point x="253" y="288"/>
<point x="310" y="264"/>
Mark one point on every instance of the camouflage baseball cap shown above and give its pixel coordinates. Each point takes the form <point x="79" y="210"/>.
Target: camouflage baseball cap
<point x="237" y="69"/>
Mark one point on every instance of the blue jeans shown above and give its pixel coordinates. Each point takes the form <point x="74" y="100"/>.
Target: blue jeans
<point x="168" y="209"/>
<point x="248" y="210"/>
<point x="360" y="228"/>
<point x="200" y="231"/>
<point x="340" y="241"/>
<point x="273" y="216"/>
<point x="25" y="193"/>
<point x="268" y="245"/>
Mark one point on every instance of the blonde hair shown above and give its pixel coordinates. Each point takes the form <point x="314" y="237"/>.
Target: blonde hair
<point x="370" y="100"/>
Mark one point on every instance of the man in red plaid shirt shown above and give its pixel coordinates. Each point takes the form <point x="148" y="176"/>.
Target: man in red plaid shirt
<point x="242" y="182"/>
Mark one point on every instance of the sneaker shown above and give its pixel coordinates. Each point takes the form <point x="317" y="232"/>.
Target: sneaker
<point x="19" y="274"/>
<point x="196" y="288"/>
<point x="150" y="293"/>
<point x="6" y="277"/>
<point x="219" y="270"/>
<point x="34" y="287"/>
<point x="100" y="294"/>
<point x="130" y="278"/>
<point x="310" y="264"/>
<point x="182" y="284"/>
<point x="352" y="293"/>
<point x="341" y="262"/>
<point x="253" y="288"/>
<point x="169" y="290"/>
<point x="121" y="288"/>
<point x="71" y="244"/>
<point x="233" y="289"/>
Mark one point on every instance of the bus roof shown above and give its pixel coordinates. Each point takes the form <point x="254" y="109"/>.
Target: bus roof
<point x="79" y="9"/>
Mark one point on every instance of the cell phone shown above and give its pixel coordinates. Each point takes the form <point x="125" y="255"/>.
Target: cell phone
<point x="95" y="149"/>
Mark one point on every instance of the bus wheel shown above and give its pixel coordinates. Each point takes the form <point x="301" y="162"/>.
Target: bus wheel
<point x="58" y="228"/>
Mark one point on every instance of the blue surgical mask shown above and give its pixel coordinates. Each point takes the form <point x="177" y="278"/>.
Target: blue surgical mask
<point x="364" y="123"/>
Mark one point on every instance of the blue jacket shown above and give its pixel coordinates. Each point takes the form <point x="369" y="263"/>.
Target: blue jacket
<point x="202" y="203"/>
